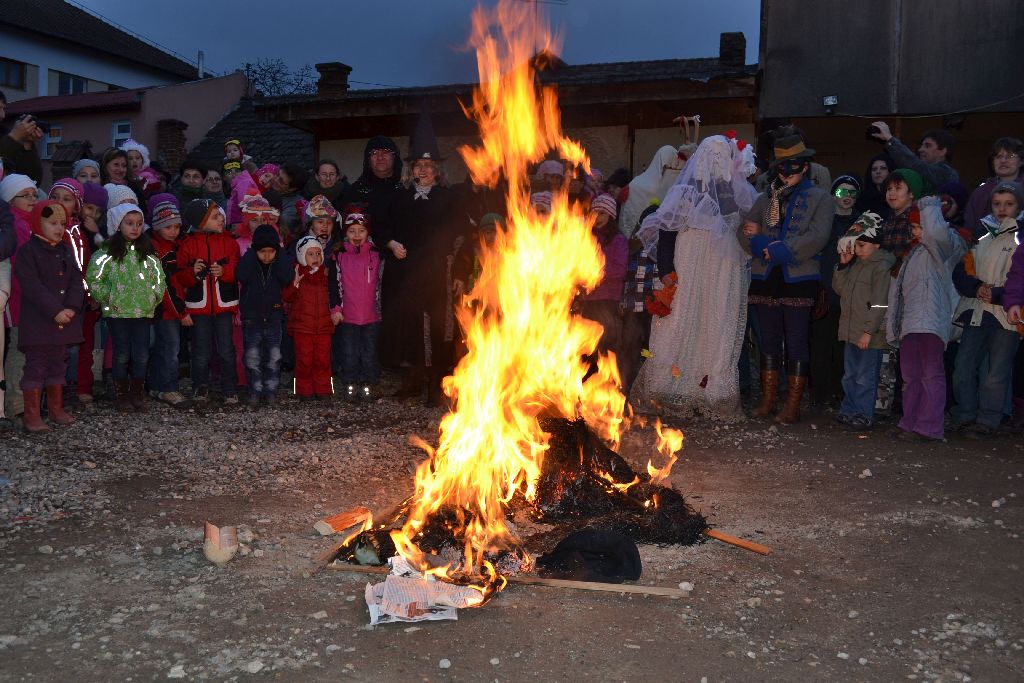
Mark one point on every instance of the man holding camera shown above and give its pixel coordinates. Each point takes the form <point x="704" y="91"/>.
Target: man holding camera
<point x="933" y="157"/>
<point x="18" y="144"/>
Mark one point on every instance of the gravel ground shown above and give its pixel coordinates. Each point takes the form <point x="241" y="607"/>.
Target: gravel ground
<point x="890" y="560"/>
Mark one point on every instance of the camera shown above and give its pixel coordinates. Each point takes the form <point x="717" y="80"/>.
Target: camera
<point x="41" y="125"/>
<point x="871" y="132"/>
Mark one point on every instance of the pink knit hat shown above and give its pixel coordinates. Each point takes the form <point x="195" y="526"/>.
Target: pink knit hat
<point x="72" y="186"/>
<point x="606" y="204"/>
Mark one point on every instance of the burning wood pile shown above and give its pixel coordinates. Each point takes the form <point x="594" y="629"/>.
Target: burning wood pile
<point x="534" y="428"/>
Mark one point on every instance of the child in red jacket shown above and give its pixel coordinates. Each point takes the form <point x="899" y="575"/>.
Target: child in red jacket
<point x="312" y="315"/>
<point x="206" y="270"/>
<point x="171" y="314"/>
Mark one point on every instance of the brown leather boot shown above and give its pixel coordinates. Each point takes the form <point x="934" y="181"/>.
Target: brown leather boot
<point x="31" y="419"/>
<point x="55" y="405"/>
<point x="796" y="382"/>
<point x="769" y="387"/>
<point x="136" y="394"/>
<point x="123" y="390"/>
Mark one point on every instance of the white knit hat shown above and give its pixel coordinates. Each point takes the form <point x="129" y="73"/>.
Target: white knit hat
<point x="118" y="194"/>
<point x="117" y="213"/>
<point x="13" y="184"/>
<point x="303" y="245"/>
<point x="130" y="145"/>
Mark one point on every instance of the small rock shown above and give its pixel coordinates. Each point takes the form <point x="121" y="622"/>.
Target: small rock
<point x="753" y="602"/>
<point x="843" y="655"/>
<point x="865" y="474"/>
<point x="495" y="661"/>
<point x="862" y="661"/>
<point x="322" y="614"/>
<point x="45" y="549"/>
<point x="177" y="671"/>
<point x="157" y="550"/>
<point x="254" y="667"/>
<point x="853" y="614"/>
<point x="996" y="503"/>
<point x="258" y="553"/>
<point x="333" y="648"/>
<point x="89" y="464"/>
<point x="445" y="664"/>
<point x="412" y="629"/>
<point x="686" y="587"/>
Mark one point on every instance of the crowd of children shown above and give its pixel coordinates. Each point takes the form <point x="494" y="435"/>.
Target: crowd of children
<point x="235" y="271"/>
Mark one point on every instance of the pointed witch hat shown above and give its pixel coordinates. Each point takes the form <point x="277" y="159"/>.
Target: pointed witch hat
<point x="424" y="142"/>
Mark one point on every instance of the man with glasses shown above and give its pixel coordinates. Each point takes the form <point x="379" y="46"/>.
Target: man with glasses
<point x="1008" y="167"/>
<point x="784" y="232"/>
<point x="933" y="157"/>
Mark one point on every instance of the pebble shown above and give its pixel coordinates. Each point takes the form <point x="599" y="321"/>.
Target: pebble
<point x="322" y="614"/>
<point x="843" y="655"/>
<point x="495" y="661"/>
<point x="45" y="549"/>
<point x="862" y="661"/>
<point x="258" y="553"/>
<point x="853" y="614"/>
<point x="686" y="587"/>
<point x="445" y="664"/>
<point x="333" y="648"/>
<point x="864" y="474"/>
<point x="177" y="671"/>
<point x="254" y="667"/>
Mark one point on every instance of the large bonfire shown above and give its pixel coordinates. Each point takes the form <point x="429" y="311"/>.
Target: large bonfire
<point x="526" y="359"/>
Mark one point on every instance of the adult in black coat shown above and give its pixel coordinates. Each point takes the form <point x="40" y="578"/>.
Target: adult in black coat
<point x="18" y="145"/>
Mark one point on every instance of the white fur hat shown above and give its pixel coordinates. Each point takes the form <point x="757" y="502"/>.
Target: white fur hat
<point x="130" y="145"/>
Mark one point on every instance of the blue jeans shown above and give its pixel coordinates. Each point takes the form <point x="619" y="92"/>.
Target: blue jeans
<point x="130" y="339"/>
<point x="163" y="370"/>
<point x="981" y="394"/>
<point x="263" y="354"/>
<point x="209" y="331"/>
<point x="860" y="381"/>
<point x="360" y="364"/>
<point x="789" y="324"/>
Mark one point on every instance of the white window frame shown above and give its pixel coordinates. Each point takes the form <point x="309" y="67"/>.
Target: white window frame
<point x="118" y="139"/>
<point x="50" y="139"/>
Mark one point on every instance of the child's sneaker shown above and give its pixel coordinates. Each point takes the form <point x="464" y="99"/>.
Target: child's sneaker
<point x="350" y="393"/>
<point x="231" y="400"/>
<point x="201" y="395"/>
<point x="367" y="395"/>
<point x="174" y="399"/>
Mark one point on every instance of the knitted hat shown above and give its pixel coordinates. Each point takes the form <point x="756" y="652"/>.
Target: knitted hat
<point x="198" y="212"/>
<point x="116" y="214"/>
<point x="305" y="244"/>
<point x="492" y="221"/>
<point x="13" y="184"/>
<point x="867" y="227"/>
<point x="1012" y="188"/>
<point x="237" y="143"/>
<point x="912" y="179"/>
<point x="542" y="200"/>
<point x="130" y="146"/>
<point x="163" y="210"/>
<point x="355" y="214"/>
<point x="320" y="207"/>
<point x="77" y="167"/>
<point x="550" y="167"/>
<point x="265" y="236"/>
<point x="955" y="191"/>
<point x="606" y="204"/>
<point x="256" y="206"/>
<point x="119" y="194"/>
<point x="846" y="179"/>
<point x="50" y="207"/>
<point x="72" y="186"/>
<point x="94" y="194"/>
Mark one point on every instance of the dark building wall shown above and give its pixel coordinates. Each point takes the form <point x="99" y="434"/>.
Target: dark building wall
<point x="890" y="56"/>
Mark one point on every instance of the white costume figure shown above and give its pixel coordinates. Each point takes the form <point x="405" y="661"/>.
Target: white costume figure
<point x="696" y="348"/>
<point x="651" y="184"/>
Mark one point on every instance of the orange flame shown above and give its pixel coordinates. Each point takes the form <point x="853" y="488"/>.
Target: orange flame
<point x="525" y="358"/>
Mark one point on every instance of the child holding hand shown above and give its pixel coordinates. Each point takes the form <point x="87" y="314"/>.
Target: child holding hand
<point x="311" y="321"/>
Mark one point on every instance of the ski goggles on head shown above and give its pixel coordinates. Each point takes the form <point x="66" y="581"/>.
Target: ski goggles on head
<point x="842" y="193"/>
<point x="788" y="167"/>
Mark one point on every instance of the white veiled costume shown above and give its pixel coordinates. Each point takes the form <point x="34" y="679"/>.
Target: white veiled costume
<point x="703" y="335"/>
<point x="651" y="184"/>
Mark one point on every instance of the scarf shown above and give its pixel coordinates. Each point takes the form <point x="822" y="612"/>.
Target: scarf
<point x="422" y="191"/>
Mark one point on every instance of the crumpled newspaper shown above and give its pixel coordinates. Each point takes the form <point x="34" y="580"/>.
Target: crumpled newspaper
<point x="408" y="595"/>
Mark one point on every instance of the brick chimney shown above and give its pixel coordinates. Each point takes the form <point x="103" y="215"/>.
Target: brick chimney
<point x="171" y="143"/>
<point x="333" y="78"/>
<point x="732" y="49"/>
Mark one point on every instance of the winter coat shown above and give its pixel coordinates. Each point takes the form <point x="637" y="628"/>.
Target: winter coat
<point x="262" y="286"/>
<point x="980" y="203"/>
<point x="990" y="257"/>
<point x="376" y="194"/>
<point x="242" y="185"/>
<point x="830" y="256"/>
<point x="309" y="303"/>
<point x="794" y="244"/>
<point x="172" y="306"/>
<point x="1013" y="290"/>
<point x="127" y="288"/>
<point x="8" y="237"/>
<point x="22" y="233"/>
<point x="616" y="257"/>
<point x="936" y="174"/>
<point x="50" y="282"/>
<point x="291" y="222"/>
<point x="208" y="295"/>
<point x="17" y="159"/>
<point x="360" y="270"/>
<point x="922" y="298"/>
<point x="863" y="289"/>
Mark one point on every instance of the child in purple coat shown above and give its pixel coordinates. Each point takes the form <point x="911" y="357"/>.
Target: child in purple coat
<point x="359" y="277"/>
<point x="53" y="295"/>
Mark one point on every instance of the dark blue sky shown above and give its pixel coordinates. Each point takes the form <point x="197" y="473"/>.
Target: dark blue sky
<point x="420" y="42"/>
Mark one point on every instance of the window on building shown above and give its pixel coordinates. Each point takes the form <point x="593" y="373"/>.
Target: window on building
<point x="122" y="130"/>
<point x="69" y="84"/>
<point x="12" y="74"/>
<point x="52" y="140"/>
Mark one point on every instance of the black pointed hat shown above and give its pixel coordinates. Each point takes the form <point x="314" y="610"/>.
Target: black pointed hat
<point x="424" y="142"/>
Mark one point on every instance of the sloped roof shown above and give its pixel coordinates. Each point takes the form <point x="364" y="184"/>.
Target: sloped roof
<point x="91" y="101"/>
<point x="66" y="22"/>
<point x="264" y="141"/>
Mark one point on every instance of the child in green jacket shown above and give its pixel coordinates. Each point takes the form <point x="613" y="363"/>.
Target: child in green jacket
<point x="126" y="279"/>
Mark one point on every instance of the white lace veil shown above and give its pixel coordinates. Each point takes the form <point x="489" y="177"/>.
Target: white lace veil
<point x="711" y="189"/>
